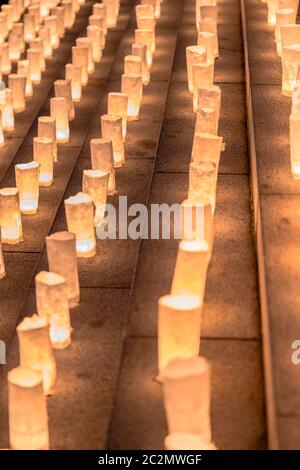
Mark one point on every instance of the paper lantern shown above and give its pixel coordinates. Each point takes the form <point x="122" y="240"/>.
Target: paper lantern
<point x="197" y="220"/>
<point x="36" y="350"/>
<point x="3" y="27"/>
<point x="283" y="17"/>
<point x="111" y="13"/>
<point x="94" y="183"/>
<point x="23" y="70"/>
<point x="29" y="27"/>
<point x="295" y="145"/>
<point x="34" y="60"/>
<point x="206" y="121"/>
<point x="289" y="35"/>
<point x="8" y="10"/>
<point x="99" y="22"/>
<point x="75" y="6"/>
<point x="144" y="10"/>
<point x="17" y="30"/>
<point x="146" y="22"/>
<point x="63" y="89"/>
<point x="102" y="159"/>
<point x="43" y="154"/>
<point x="10" y="216"/>
<point x="58" y="110"/>
<point x="80" y="220"/>
<point x="156" y="6"/>
<point x="16" y="10"/>
<point x="207" y="11"/>
<point x="186" y="394"/>
<point x="74" y="74"/>
<point x="8" y="120"/>
<point x="207" y="147"/>
<point x="61" y="255"/>
<point x="117" y="106"/>
<point x="203" y="75"/>
<point x="87" y="42"/>
<point x="179" y="328"/>
<point x="186" y="441"/>
<point x="140" y="50"/>
<point x="34" y="10"/>
<point x="208" y="25"/>
<point x="53" y="305"/>
<point x="47" y="128"/>
<point x="132" y="85"/>
<point x="99" y="9"/>
<point x="28" y="419"/>
<point x="80" y="57"/>
<point x="146" y="37"/>
<point x="2" y="265"/>
<point x="290" y="61"/>
<point x="60" y="15"/>
<point x="191" y="268"/>
<point x="210" y="97"/>
<point x="202" y="181"/>
<point x="69" y="16"/>
<point x="272" y="7"/>
<point x="14" y="46"/>
<point x="37" y="44"/>
<point x="45" y="35"/>
<point x="195" y="55"/>
<point x="5" y="60"/>
<point x="94" y="34"/>
<point x="208" y="40"/>
<point x="17" y="85"/>
<point x="44" y="8"/>
<point x="51" y="22"/>
<point x="27" y="182"/>
<point x="111" y="128"/>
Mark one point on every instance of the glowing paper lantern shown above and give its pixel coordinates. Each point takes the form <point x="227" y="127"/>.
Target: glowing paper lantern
<point x="58" y="110"/>
<point x="99" y="22"/>
<point x="186" y="393"/>
<point x="207" y="11"/>
<point x="102" y="159"/>
<point x="3" y="26"/>
<point x="146" y="37"/>
<point x="63" y="89"/>
<point x="117" y="106"/>
<point x="144" y="10"/>
<point x="191" y="268"/>
<point x="5" y="60"/>
<point x="94" y="183"/>
<point x="69" y="16"/>
<point x="17" y="30"/>
<point x="208" y="25"/>
<point x="27" y="182"/>
<point x="290" y="61"/>
<point x="290" y="35"/>
<point x="28" y="419"/>
<point x="8" y="120"/>
<point x="179" y="328"/>
<point x="47" y="128"/>
<point x="8" y="10"/>
<point x="43" y="154"/>
<point x="60" y="15"/>
<point x="80" y="57"/>
<point x="146" y="22"/>
<point x="111" y="128"/>
<point x="94" y="34"/>
<point x="99" y="9"/>
<point x="208" y="40"/>
<point x="17" y="11"/>
<point x="53" y="305"/>
<point x="203" y="75"/>
<point x="51" y="22"/>
<point x="34" y="60"/>
<point x="87" y="42"/>
<point x="29" y="27"/>
<point x="45" y="35"/>
<point x="44" y="5"/>
<point x="14" y="46"/>
<point x="132" y="85"/>
<point x="80" y="220"/>
<point x="37" y="44"/>
<point x="35" y="349"/>
<point x="23" y="70"/>
<point x="17" y="85"/>
<point x="210" y="97"/>
<point x="186" y="441"/>
<point x="74" y="73"/>
<point x="283" y="17"/>
<point x="202" y="181"/>
<point x="10" y="216"/>
<point x="61" y="255"/>
<point x="75" y="6"/>
<point x="195" y="55"/>
<point x="156" y="6"/>
<point x="206" y="121"/>
<point x="272" y="7"/>
<point x="34" y="10"/>
<point x="140" y="50"/>
<point x="111" y="13"/>
<point x="207" y="147"/>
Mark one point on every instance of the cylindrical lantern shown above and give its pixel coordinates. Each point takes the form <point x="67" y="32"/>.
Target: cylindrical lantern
<point x="28" y="419"/>
<point x="58" y="110"/>
<point x="272" y="7"/>
<point x="59" y="13"/>
<point x="23" y="69"/>
<point x="80" y="57"/>
<point x="37" y="44"/>
<point x="27" y="182"/>
<point x="29" y="27"/>
<point x="283" y="17"/>
<point x="8" y="120"/>
<point x="99" y="9"/>
<point x="155" y="4"/>
<point x="207" y="147"/>
<point x="3" y="27"/>
<point x="144" y="10"/>
<point x="102" y="159"/>
<point x="146" y="22"/>
<point x="289" y="35"/>
<point x="203" y="75"/>
<point x="74" y="73"/>
<point x="35" y="11"/>
<point x="290" y="62"/>
<point x="94" y="34"/>
<point x="34" y="60"/>
<point x="111" y="128"/>
<point x="145" y="36"/>
<point x="69" y="16"/>
<point x="186" y="441"/>
<point x="207" y="10"/>
<point x="17" y="11"/>
<point x="43" y="154"/>
<point x="94" y="183"/>
<point x="63" y="89"/>
<point x="51" y="22"/>
<point x="206" y="121"/>
<point x="117" y="106"/>
<point x="5" y="60"/>
<point x="61" y="255"/>
<point x="8" y="10"/>
<point x="140" y="50"/>
<point x="210" y="97"/>
<point x="45" y="5"/>
<point x="202" y="181"/>
<point x="98" y="21"/>
<point x="14" y="46"/>
<point x="47" y="128"/>
<point x="17" y="84"/>
<point x="111" y="13"/>
<point x="10" y="216"/>
<point x="208" y="25"/>
<point x="295" y="144"/>
<point x="87" y="42"/>
<point x="186" y="393"/>
<point x="208" y="40"/>
<point x="179" y="328"/>
<point x="195" y="55"/>
<point x="45" y="35"/>
<point x="53" y="305"/>
<point x="35" y="349"/>
<point x="80" y="220"/>
<point x="191" y="267"/>
<point x="132" y="85"/>
<point x="17" y="30"/>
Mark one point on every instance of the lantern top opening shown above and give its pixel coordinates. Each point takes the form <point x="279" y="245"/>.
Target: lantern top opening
<point x="8" y="191"/>
<point x="193" y="245"/>
<point x="24" y="377"/>
<point x="78" y="198"/>
<point x="180" y="302"/>
<point x="180" y="368"/>
<point x="34" y="322"/>
<point x="50" y="278"/>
